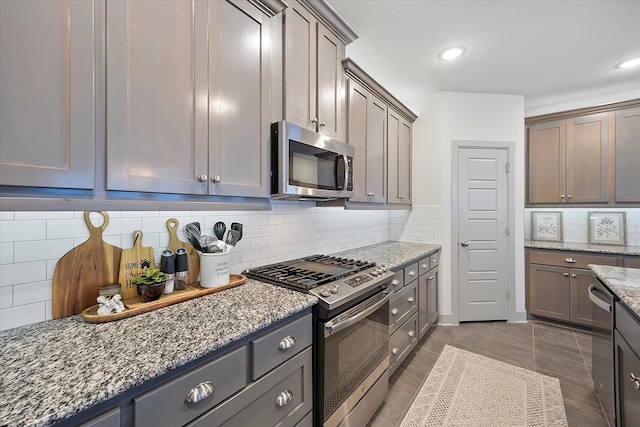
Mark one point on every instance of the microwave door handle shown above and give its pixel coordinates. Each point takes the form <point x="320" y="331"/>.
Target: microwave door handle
<point x="343" y="185"/>
<point x="346" y="172"/>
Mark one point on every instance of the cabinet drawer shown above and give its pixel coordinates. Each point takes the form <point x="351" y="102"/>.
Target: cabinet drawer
<point x="570" y="259"/>
<point x="423" y="265"/>
<point x="166" y="404"/>
<point x="411" y="273"/>
<point x="273" y="349"/>
<point x="631" y="262"/>
<point x="281" y="398"/>
<point x="108" y="419"/>
<point x="398" y="280"/>
<point x="434" y="260"/>
<point x="402" y="342"/>
<point x="402" y="305"/>
<point x="628" y="326"/>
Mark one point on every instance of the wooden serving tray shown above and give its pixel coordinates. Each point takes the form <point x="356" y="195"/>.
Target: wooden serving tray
<point x="135" y="306"/>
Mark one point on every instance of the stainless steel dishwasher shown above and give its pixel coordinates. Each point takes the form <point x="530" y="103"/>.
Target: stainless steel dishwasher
<point x="602" y="347"/>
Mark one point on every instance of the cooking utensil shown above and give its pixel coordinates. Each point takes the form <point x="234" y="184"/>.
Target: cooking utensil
<point x="192" y="231"/>
<point x="218" y="229"/>
<point x="233" y="236"/>
<point x="210" y="243"/>
<point x="82" y="270"/>
<point x="238" y="227"/>
<point x="132" y="262"/>
<point x="193" y="259"/>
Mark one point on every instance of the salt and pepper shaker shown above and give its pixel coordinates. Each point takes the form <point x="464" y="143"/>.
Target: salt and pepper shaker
<point x="167" y="265"/>
<point x="182" y="269"/>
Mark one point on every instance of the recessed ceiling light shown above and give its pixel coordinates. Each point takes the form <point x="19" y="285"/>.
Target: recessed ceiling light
<point x="452" y="53"/>
<point x="630" y="63"/>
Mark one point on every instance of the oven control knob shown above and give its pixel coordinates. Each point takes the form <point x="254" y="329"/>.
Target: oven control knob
<point x="334" y="289"/>
<point x="325" y="292"/>
<point x="374" y="273"/>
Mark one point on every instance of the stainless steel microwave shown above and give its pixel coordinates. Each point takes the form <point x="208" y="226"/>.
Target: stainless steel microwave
<point x="306" y="165"/>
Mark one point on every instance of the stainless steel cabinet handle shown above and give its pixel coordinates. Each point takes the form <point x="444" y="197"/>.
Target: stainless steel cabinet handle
<point x="410" y="299"/>
<point x="216" y="179"/>
<point x="431" y="277"/>
<point x="200" y="392"/>
<point x="425" y="265"/>
<point x="464" y="244"/>
<point x="570" y="260"/>
<point x="394" y="350"/>
<point x="412" y="273"/>
<point x="402" y="197"/>
<point x="395" y="282"/>
<point x="287" y="342"/>
<point x="434" y="259"/>
<point x="203" y="178"/>
<point x="411" y="334"/>
<point x="566" y="274"/>
<point x="284" y="398"/>
<point x="636" y="381"/>
<point x="573" y="275"/>
<point x="394" y="311"/>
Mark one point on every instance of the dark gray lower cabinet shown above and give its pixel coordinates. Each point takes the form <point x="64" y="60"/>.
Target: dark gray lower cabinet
<point x="109" y="419"/>
<point x="627" y="367"/>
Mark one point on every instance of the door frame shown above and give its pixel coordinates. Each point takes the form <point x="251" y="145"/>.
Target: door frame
<point x="510" y="146"/>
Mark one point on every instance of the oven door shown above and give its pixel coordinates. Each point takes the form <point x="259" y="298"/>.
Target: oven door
<point x="353" y="355"/>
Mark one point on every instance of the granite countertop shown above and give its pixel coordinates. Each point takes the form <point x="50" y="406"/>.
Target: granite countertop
<point x="624" y="282"/>
<point x="391" y="254"/>
<point x="583" y="247"/>
<point x="55" y="369"/>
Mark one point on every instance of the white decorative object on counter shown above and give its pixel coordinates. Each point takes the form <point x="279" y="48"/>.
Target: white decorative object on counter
<point x="110" y="305"/>
<point x="607" y="228"/>
<point x="546" y="226"/>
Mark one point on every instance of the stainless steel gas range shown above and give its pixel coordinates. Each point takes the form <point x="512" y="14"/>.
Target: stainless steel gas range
<point x="351" y="332"/>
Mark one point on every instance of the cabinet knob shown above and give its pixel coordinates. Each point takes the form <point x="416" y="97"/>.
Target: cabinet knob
<point x="430" y="277"/>
<point x="394" y="350"/>
<point x="203" y="178"/>
<point x="411" y="334"/>
<point x="314" y="120"/>
<point x="395" y="282"/>
<point x="287" y="342"/>
<point x="566" y="274"/>
<point x="425" y="265"/>
<point x="570" y="260"/>
<point x="371" y="194"/>
<point x="402" y="197"/>
<point x="464" y="244"/>
<point x="412" y="273"/>
<point x="410" y="299"/>
<point x="394" y="311"/>
<point x="569" y="196"/>
<point x="284" y="398"/>
<point x="322" y="124"/>
<point x="434" y="259"/>
<point x="636" y="381"/>
<point x="216" y="179"/>
<point x="562" y="196"/>
<point x="573" y="275"/>
<point x="200" y="392"/>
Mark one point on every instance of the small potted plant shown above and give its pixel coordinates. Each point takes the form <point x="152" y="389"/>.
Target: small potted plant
<point x="150" y="284"/>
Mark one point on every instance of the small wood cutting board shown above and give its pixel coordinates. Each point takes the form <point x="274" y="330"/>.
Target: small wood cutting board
<point x="132" y="262"/>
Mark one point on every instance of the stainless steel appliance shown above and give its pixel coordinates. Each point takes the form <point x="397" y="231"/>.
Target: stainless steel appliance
<point x="351" y="336"/>
<point x="602" y="372"/>
<point x="306" y="165"/>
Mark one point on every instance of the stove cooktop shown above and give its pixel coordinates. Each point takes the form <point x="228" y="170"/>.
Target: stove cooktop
<point x="334" y="280"/>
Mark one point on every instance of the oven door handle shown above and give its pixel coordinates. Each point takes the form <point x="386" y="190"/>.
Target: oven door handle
<point x="330" y="327"/>
<point x="597" y="301"/>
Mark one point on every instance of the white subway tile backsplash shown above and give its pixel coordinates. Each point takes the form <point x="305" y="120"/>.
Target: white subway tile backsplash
<point x="21" y="315"/>
<point x="7" y="215"/>
<point x="6" y="253"/>
<point x="26" y="272"/>
<point x="6" y="297"/>
<point x="41" y="250"/>
<point x="22" y="231"/>
<point x="32" y="292"/>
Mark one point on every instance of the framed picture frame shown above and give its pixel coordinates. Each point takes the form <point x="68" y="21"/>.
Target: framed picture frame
<point x="607" y="228"/>
<point x="546" y="226"/>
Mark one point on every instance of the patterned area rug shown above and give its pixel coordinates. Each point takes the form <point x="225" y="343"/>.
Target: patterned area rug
<point x="470" y="390"/>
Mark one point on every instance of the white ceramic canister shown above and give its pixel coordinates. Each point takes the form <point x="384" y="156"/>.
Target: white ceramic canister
<point x="214" y="269"/>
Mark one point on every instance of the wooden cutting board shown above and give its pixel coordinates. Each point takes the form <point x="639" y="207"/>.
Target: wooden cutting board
<point x="82" y="270"/>
<point x="133" y="262"/>
<point x="193" y="258"/>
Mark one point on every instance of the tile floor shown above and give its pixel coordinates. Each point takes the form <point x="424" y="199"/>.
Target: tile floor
<point x="552" y="350"/>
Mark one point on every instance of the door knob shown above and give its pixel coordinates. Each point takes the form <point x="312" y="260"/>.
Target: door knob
<point x="465" y="244"/>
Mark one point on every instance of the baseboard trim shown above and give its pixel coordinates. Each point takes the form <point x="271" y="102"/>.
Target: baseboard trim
<point x="519" y="317"/>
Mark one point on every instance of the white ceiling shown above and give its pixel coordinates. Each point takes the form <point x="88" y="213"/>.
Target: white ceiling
<point x="552" y="52"/>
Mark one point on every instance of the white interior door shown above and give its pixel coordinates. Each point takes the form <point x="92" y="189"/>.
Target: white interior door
<point x="482" y="231"/>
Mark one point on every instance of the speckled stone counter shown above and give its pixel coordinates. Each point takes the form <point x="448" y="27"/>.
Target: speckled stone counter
<point x="583" y="247"/>
<point x="55" y="369"/>
<point x="624" y="282"/>
<point x="392" y="254"/>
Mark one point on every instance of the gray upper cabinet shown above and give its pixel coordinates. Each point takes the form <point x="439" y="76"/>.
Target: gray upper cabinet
<point x="367" y="118"/>
<point x="188" y="97"/>
<point x="628" y="155"/>
<point x="47" y="106"/>
<point x="399" y="164"/>
<point x="313" y="81"/>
